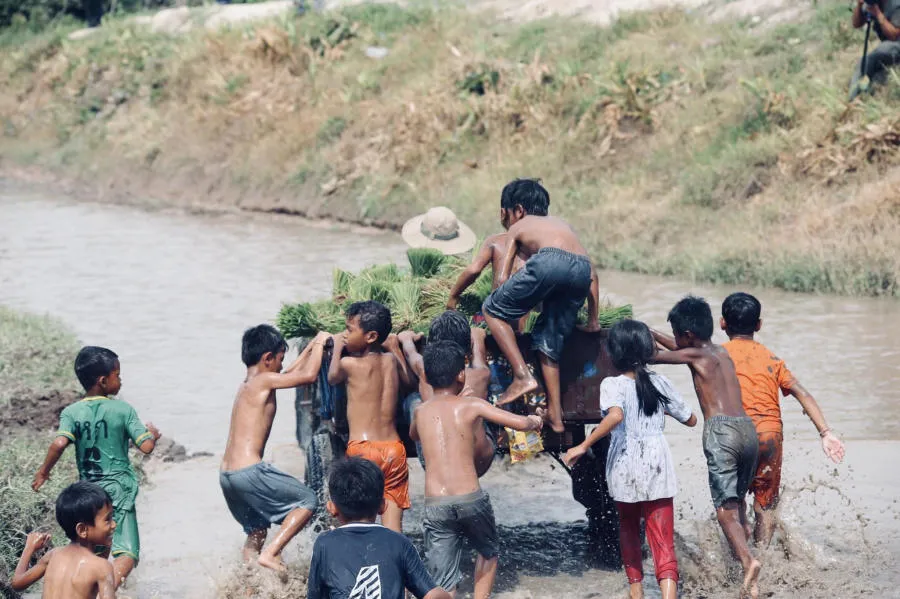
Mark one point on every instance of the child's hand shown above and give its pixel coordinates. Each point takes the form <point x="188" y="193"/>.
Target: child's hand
<point x="36" y="541"/>
<point x="321" y="337"/>
<point x="535" y="422"/>
<point x="451" y="303"/>
<point x="833" y="447"/>
<point x="39" y="479"/>
<point x="391" y="343"/>
<point x="574" y="454"/>
<point x="407" y="336"/>
<point x="590" y="327"/>
<point x="153" y="431"/>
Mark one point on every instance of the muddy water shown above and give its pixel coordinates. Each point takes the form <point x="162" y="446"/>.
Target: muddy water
<point x="171" y="293"/>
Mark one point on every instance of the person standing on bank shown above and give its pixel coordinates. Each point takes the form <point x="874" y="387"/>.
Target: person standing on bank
<point x="885" y="15"/>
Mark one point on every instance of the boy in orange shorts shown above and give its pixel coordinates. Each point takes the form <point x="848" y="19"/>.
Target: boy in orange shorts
<point x="373" y="375"/>
<point x="761" y="375"/>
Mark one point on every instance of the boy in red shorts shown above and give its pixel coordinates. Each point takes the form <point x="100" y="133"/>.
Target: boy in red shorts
<point x="761" y="375"/>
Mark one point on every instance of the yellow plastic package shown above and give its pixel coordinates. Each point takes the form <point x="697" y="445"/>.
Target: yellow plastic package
<point x="523" y="445"/>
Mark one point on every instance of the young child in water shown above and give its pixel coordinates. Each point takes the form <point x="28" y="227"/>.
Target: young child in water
<point x="101" y="427"/>
<point x="456" y="508"/>
<point x="360" y="558"/>
<point x="373" y="376"/>
<point x="761" y="375"/>
<point x="729" y="437"/>
<point x="639" y="468"/>
<point x="258" y="494"/>
<point x="85" y="513"/>
<point x="557" y="273"/>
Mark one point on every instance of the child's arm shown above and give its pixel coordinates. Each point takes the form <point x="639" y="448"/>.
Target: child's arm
<point x="392" y="344"/>
<point x="831" y="445"/>
<point x="413" y="429"/>
<point x="55" y="451"/>
<point x="667" y="341"/>
<point x="23" y="576"/>
<point x="478" y="374"/>
<point x="305" y="368"/>
<point x="494" y="414"/>
<point x="512" y="247"/>
<point x="688" y="355"/>
<point x="106" y="586"/>
<point x="470" y="274"/>
<point x="408" y="340"/>
<point x="593" y="303"/>
<point x="609" y="422"/>
<point x="336" y="372"/>
<point x="148" y="445"/>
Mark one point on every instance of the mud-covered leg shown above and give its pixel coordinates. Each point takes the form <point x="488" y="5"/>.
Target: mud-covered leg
<point x="550" y="371"/>
<point x="523" y="381"/>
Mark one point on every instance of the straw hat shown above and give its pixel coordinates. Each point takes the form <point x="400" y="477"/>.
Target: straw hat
<point x="439" y="229"/>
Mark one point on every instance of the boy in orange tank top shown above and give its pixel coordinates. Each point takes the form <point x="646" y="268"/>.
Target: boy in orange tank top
<point x="761" y="375"/>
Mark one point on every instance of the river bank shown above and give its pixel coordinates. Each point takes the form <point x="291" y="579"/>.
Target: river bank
<point x="720" y="152"/>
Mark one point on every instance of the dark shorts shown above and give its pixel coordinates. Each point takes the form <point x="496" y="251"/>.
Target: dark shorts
<point x="261" y="495"/>
<point x="730" y="445"/>
<point x="448" y="522"/>
<point x="559" y="279"/>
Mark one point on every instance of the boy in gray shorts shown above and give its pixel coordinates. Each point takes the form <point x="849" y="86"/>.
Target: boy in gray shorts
<point x="258" y="494"/>
<point x="456" y="508"/>
<point x="729" y="437"/>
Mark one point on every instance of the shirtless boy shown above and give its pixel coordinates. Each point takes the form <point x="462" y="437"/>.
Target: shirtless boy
<point x="557" y="272"/>
<point x="85" y="513"/>
<point x="453" y="326"/>
<point x="729" y="438"/>
<point x="762" y="375"/>
<point x="373" y="376"/>
<point x="257" y="493"/>
<point x="456" y="508"/>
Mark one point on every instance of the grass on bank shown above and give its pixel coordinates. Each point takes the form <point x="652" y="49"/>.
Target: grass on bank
<point x="726" y="153"/>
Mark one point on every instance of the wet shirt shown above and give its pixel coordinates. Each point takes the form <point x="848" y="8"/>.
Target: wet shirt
<point x="761" y="375"/>
<point x="639" y="466"/>
<point x="366" y="561"/>
<point x="101" y="428"/>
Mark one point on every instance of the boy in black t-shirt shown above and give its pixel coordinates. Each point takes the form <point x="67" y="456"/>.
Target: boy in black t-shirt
<point x="361" y="559"/>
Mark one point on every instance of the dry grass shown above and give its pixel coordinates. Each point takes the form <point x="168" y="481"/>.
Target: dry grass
<point x="677" y="148"/>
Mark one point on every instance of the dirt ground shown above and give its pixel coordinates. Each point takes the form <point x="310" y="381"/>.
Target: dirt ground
<point x="34" y="411"/>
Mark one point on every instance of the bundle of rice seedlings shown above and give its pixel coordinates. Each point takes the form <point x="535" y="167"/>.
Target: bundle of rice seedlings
<point x="340" y="287"/>
<point x="305" y="320"/>
<point x="425" y="262"/>
<point x="610" y="315"/>
<point x="470" y="301"/>
<point x="404" y="304"/>
<point x="434" y="297"/>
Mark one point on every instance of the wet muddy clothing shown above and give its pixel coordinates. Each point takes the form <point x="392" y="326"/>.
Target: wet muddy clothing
<point x="559" y="279"/>
<point x="767" y="480"/>
<point x="261" y="495"/>
<point x="450" y="520"/>
<point x="101" y="428"/>
<point x="366" y="561"/>
<point x="390" y="457"/>
<point x="761" y="375"/>
<point x="659" y="517"/>
<point x="639" y="466"/>
<point x="730" y="445"/>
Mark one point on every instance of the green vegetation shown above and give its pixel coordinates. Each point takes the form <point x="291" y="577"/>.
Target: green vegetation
<point x="415" y="296"/>
<point x="724" y="153"/>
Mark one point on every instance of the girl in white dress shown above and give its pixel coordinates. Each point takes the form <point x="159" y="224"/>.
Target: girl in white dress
<point x="639" y="468"/>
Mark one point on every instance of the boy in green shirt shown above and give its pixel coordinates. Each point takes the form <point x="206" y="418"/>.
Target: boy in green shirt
<point x="101" y="427"/>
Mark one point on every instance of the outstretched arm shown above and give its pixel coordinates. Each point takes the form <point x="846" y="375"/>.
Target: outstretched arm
<point x="106" y="586"/>
<point x="24" y="576"/>
<point x="336" y="372"/>
<point x="593" y="302"/>
<point x="305" y="368"/>
<point x="831" y="445"/>
<point x="667" y="341"/>
<point x="392" y="344"/>
<point x="609" y="422"/>
<point x="54" y="452"/>
<point x="470" y="274"/>
<point x="512" y="247"/>
<point x="507" y="419"/>
<point x="688" y="355"/>
<point x="478" y="375"/>
<point x="413" y="428"/>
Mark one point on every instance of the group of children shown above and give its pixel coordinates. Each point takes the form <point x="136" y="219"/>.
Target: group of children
<point x="737" y="386"/>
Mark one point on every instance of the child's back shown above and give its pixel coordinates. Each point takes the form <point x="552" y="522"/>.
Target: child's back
<point x="373" y="385"/>
<point x="534" y="233"/>
<point x="761" y="375"/>
<point x="74" y="572"/>
<point x="447" y="428"/>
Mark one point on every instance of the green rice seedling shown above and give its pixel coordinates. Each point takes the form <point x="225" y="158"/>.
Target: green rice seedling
<point x="471" y="300"/>
<point x="340" y="288"/>
<point x="425" y="262"/>
<point x="435" y="295"/>
<point x="404" y="303"/>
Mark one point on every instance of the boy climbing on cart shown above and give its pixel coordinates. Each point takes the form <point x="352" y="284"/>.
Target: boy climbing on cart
<point x="557" y="273"/>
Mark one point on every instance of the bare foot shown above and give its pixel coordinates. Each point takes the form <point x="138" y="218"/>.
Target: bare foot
<point x="750" y="588"/>
<point x="517" y="389"/>
<point x="273" y="562"/>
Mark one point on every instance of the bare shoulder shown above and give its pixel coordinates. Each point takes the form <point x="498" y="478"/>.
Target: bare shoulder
<point x="495" y="239"/>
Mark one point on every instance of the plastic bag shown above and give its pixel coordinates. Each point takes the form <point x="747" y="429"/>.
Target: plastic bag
<point x="523" y="445"/>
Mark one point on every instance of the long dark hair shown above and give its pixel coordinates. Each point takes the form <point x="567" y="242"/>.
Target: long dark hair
<point x="631" y="346"/>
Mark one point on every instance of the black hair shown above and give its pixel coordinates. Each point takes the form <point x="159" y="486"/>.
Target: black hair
<point x="260" y="340"/>
<point x="451" y="326"/>
<point x="631" y="346"/>
<point x="79" y="503"/>
<point x="527" y="193"/>
<point x="741" y="312"/>
<point x="692" y="315"/>
<point x="444" y="360"/>
<point x="373" y="316"/>
<point x="356" y="487"/>
<point x="92" y="362"/>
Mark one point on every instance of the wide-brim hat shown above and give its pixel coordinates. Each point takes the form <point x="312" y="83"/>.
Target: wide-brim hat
<point x="438" y="229"/>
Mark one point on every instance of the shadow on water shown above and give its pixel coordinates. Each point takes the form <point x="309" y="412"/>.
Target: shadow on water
<point x="540" y="549"/>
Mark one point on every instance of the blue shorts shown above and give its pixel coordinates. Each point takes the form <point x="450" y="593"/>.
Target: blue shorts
<point x="559" y="279"/>
<point x="261" y="495"/>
